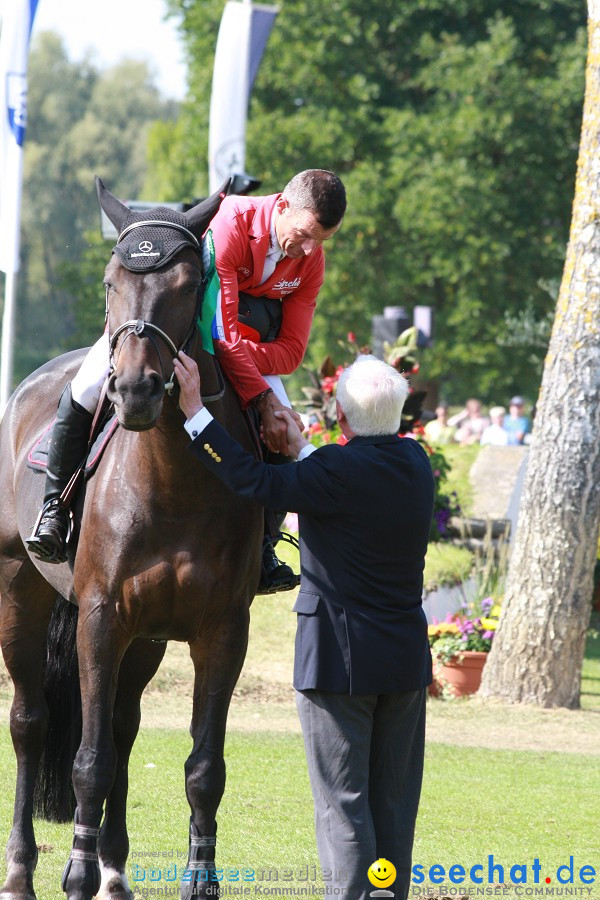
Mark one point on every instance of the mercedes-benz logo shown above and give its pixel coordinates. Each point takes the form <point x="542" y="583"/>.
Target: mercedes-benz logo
<point x="145" y="246"/>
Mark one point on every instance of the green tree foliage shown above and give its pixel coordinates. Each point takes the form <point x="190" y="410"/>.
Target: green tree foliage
<point x="82" y="122"/>
<point x="454" y="124"/>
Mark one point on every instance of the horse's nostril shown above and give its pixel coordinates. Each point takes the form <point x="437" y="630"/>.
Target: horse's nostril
<point x="158" y="384"/>
<point x="112" y="388"/>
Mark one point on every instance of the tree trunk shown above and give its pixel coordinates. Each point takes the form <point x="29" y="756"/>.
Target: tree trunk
<point x="537" y="653"/>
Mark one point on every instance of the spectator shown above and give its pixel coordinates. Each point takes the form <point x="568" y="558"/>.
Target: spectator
<point x="517" y="424"/>
<point x="495" y="433"/>
<point x="438" y="431"/>
<point x="470" y="422"/>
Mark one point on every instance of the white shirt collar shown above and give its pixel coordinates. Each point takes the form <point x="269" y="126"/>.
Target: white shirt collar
<point x="274" y="248"/>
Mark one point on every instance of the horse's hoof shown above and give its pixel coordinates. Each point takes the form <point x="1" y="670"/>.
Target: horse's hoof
<point x="114" y="884"/>
<point x="18" y="886"/>
<point x="10" y="895"/>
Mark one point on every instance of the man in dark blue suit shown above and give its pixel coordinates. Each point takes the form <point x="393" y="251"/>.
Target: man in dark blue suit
<point x="362" y="662"/>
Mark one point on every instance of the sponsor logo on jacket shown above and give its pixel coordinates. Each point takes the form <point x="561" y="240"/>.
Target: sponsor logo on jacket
<point x="287" y="286"/>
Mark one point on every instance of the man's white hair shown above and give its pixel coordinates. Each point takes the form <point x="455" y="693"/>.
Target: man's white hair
<point x="372" y="396"/>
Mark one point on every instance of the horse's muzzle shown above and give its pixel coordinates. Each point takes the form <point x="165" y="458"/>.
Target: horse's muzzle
<point x="138" y="402"/>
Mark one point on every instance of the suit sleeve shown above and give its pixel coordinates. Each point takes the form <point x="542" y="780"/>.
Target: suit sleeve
<point x="315" y="486"/>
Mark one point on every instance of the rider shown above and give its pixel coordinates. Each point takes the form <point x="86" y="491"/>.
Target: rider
<point x="266" y="247"/>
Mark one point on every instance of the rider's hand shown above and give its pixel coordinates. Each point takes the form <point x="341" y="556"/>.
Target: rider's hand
<point x="274" y="430"/>
<point x="188" y="377"/>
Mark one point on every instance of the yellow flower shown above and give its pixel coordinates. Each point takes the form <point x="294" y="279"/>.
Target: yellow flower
<point x="495" y="611"/>
<point x="490" y="624"/>
<point x="442" y="628"/>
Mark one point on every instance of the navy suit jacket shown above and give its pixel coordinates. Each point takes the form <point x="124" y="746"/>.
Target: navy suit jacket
<point x="365" y="513"/>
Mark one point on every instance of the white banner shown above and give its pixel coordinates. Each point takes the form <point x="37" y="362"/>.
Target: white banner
<point x="243" y="34"/>
<point x="14" y="49"/>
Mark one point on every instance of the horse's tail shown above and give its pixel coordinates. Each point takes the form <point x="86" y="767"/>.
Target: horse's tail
<point x="54" y="799"/>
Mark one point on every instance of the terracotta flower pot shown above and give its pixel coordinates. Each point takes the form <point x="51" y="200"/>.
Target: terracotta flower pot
<point x="461" y="676"/>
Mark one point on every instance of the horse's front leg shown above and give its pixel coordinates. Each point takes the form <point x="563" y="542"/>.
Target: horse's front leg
<point x="24" y="615"/>
<point x="101" y="644"/>
<point x="139" y="665"/>
<point x="218" y="658"/>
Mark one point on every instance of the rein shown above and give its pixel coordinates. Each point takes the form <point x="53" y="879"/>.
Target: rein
<point x="140" y="328"/>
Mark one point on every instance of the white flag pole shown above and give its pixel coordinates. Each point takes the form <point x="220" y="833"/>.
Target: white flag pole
<point x="8" y="339"/>
<point x="243" y="34"/>
<point x="14" y="50"/>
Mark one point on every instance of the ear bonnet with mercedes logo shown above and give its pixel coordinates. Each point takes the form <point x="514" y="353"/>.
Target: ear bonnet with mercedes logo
<point x="150" y="239"/>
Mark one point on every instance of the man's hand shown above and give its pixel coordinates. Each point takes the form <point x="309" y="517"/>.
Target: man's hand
<point x="273" y="428"/>
<point x="188" y="377"/>
<point x="294" y="436"/>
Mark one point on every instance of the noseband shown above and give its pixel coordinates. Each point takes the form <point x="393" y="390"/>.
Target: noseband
<point x="140" y="328"/>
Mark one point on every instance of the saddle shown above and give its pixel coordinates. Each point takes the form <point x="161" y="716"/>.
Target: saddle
<point x="37" y="458"/>
<point x="259" y="318"/>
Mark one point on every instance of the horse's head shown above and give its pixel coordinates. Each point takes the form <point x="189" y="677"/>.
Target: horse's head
<point x="154" y="288"/>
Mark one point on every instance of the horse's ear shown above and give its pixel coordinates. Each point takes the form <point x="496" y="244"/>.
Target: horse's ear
<point x="114" y="209"/>
<point x="199" y="216"/>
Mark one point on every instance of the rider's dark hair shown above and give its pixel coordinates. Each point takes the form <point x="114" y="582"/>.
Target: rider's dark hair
<point x="321" y="192"/>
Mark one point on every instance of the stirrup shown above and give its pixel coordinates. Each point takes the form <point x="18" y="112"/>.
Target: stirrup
<point x="41" y="546"/>
<point x="288" y="583"/>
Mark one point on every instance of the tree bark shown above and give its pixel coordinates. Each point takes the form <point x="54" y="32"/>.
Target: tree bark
<point x="537" y="653"/>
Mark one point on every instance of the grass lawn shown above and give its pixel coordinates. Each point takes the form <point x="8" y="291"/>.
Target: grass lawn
<point x="516" y="806"/>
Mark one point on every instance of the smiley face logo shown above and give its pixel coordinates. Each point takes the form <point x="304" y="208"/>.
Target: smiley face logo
<point x="382" y="873"/>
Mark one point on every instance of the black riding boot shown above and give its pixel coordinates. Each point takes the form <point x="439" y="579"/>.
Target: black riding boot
<point x="68" y="444"/>
<point x="274" y="575"/>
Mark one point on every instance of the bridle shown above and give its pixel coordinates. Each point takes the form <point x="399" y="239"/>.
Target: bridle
<point x="140" y="328"/>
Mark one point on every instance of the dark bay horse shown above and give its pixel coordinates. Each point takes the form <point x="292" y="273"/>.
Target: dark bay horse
<point x="165" y="552"/>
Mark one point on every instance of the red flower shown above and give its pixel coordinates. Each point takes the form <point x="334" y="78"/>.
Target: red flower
<point x="351" y="337"/>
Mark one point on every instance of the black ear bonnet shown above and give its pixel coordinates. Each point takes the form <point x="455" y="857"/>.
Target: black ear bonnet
<point x="150" y="239"/>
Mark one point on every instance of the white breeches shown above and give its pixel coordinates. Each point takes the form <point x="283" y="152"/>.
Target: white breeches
<point x="275" y="382"/>
<point x="87" y="384"/>
<point x="86" y="387"/>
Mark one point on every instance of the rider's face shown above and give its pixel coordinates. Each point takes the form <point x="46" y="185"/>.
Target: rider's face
<point x="298" y="231"/>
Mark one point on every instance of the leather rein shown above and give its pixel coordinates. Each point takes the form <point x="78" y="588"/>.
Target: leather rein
<point x="140" y="328"/>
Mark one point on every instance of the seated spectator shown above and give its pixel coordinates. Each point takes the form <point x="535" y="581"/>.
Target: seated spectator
<point x="495" y="433"/>
<point x="516" y="423"/>
<point x="438" y="431"/>
<point x="470" y="422"/>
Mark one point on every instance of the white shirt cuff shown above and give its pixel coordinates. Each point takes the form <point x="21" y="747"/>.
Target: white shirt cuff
<point x="306" y="451"/>
<point x="198" y="423"/>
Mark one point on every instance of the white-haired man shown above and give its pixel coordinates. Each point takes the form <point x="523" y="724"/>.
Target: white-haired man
<point x="362" y="661"/>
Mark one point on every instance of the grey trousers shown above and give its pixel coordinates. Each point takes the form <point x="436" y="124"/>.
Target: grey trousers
<point x="365" y="763"/>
